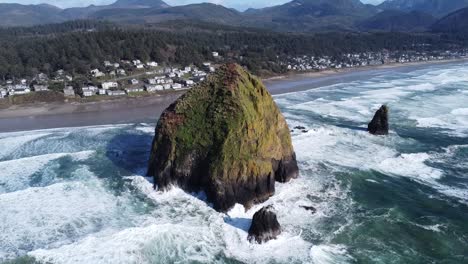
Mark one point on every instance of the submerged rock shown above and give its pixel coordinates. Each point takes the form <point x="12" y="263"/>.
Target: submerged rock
<point x="264" y="226"/>
<point x="379" y="124"/>
<point x="309" y="208"/>
<point x="226" y="137"/>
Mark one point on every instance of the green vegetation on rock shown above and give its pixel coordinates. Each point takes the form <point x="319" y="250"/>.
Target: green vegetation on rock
<point x="227" y="137"/>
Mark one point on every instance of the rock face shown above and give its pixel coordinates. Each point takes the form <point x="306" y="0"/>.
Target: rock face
<point x="226" y="137"/>
<point x="264" y="226"/>
<point x="379" y="124"/>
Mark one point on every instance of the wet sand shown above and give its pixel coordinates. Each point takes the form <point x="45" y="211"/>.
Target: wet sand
<point x="148" y="109"/>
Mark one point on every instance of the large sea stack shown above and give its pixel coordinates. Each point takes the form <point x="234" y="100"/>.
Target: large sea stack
<point x="226" y="137"/>
<point x="379" y="124"/>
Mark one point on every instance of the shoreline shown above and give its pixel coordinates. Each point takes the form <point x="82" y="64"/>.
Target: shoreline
<point x="148" y="109"/>
<point x="329" y="72"/>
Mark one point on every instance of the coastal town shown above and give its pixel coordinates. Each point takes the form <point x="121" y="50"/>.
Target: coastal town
<point x="134" y="77"/>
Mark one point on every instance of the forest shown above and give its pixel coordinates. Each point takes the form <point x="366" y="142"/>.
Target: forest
<point x="80" y="46"/>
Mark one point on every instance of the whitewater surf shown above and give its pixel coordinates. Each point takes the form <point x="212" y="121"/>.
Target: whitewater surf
<point x="79" y="195"/>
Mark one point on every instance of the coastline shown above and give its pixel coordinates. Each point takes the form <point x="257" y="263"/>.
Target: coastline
<point x="329" y="72"/>
<point x="148" y="109"/>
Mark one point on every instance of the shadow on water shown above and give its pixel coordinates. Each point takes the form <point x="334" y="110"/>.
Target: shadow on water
<point x="129" y="152"/>
<point x="238" y="222"/>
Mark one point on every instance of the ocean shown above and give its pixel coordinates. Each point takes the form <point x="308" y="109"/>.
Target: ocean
<point x="79" y="195"/>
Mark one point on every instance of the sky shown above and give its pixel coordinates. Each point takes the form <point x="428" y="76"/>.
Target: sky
<point x="239" y="4"/>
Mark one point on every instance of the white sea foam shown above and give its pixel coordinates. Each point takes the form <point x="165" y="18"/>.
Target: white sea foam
<point x="15" y="174"/>
<point x="166" y="243"/>
<point x="58" y="214"/>
<point x="359" y="150"/>
<point x="12" y="141"/>
<point x="330" y="254"/>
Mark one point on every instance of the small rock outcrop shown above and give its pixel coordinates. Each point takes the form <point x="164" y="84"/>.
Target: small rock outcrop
<point x="226" y="137"/>
<point x="264" y="226"/>
<point x="379" y="124"/>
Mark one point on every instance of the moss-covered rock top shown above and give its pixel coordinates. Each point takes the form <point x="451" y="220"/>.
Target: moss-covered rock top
<point x="225" y="136"/>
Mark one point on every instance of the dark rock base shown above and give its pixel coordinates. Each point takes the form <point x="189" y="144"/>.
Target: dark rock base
<point x="264" y="226"/>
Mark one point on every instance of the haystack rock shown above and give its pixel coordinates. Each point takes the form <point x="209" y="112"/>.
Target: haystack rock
<point x="379" y="124"/>
<point x="226" y="137"/>
<point x="264" y="226"/>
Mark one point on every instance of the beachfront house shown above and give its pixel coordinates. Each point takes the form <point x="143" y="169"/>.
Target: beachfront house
<point x="3" y="93"/>
<point x="154" y="88"/>
<point x="109" y="85"/>
<point x="176" y="86"/>
<point x="89" y="91"/>
<point x="116" y="93"/>
<point x="69" y="91"/>
<point x="189" y="82"/>
<point x="40" y="87"/>
<point x="19" y="89"/>
<point x="135" y="90"/>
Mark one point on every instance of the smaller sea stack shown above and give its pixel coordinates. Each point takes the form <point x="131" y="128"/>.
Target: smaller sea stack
<point x="379" y="124"/>
<point x="264" y="226"/>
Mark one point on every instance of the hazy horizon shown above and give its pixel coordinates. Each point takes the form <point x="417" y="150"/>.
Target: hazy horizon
<point x="238" y="4"/>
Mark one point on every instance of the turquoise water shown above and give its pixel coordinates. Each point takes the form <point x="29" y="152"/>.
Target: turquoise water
<point x="77" y="195"/>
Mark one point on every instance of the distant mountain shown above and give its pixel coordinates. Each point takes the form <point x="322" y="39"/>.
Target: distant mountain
<point x="436" y="8"/>
<point x="300" y="15"/>
<point x="456" y="22"/>
<point x="394" y="20"/>
<point x="202" y="12"/>
<point x="139" y="4"/>
<point x="27" y="15"/>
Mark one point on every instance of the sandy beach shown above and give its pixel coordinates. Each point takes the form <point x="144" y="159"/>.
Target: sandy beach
<point x="148" y="109"/>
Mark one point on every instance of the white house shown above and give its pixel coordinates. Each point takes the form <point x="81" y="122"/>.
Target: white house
<point x="151" y="81"/>
<point x="136" y="62"/>
<point x="121" y="72"/>
<point x="215" y="54"/>
<point x="189" y="82"/>
<point x="96" y="73"/>
<point x="39" y="88"/>
<point x="18" y="89"/>
<point x="176" y="86"/>
<point x="140" y="66"/>
<point x="102" y="92"/>
<point x="152" y="64"/>
<point x="89" y="91"/>
<point x="134" y="90"/>
<point x="154" y="88"/>
<point x="167" y="86"/>
<point x="68" y="91"/>
<point x="3" y="93"/>
<point x="109" y="85"/>
<point x="116" y="93"/>
<point x="133" y="81"/>
<point x="107" y="63"/>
